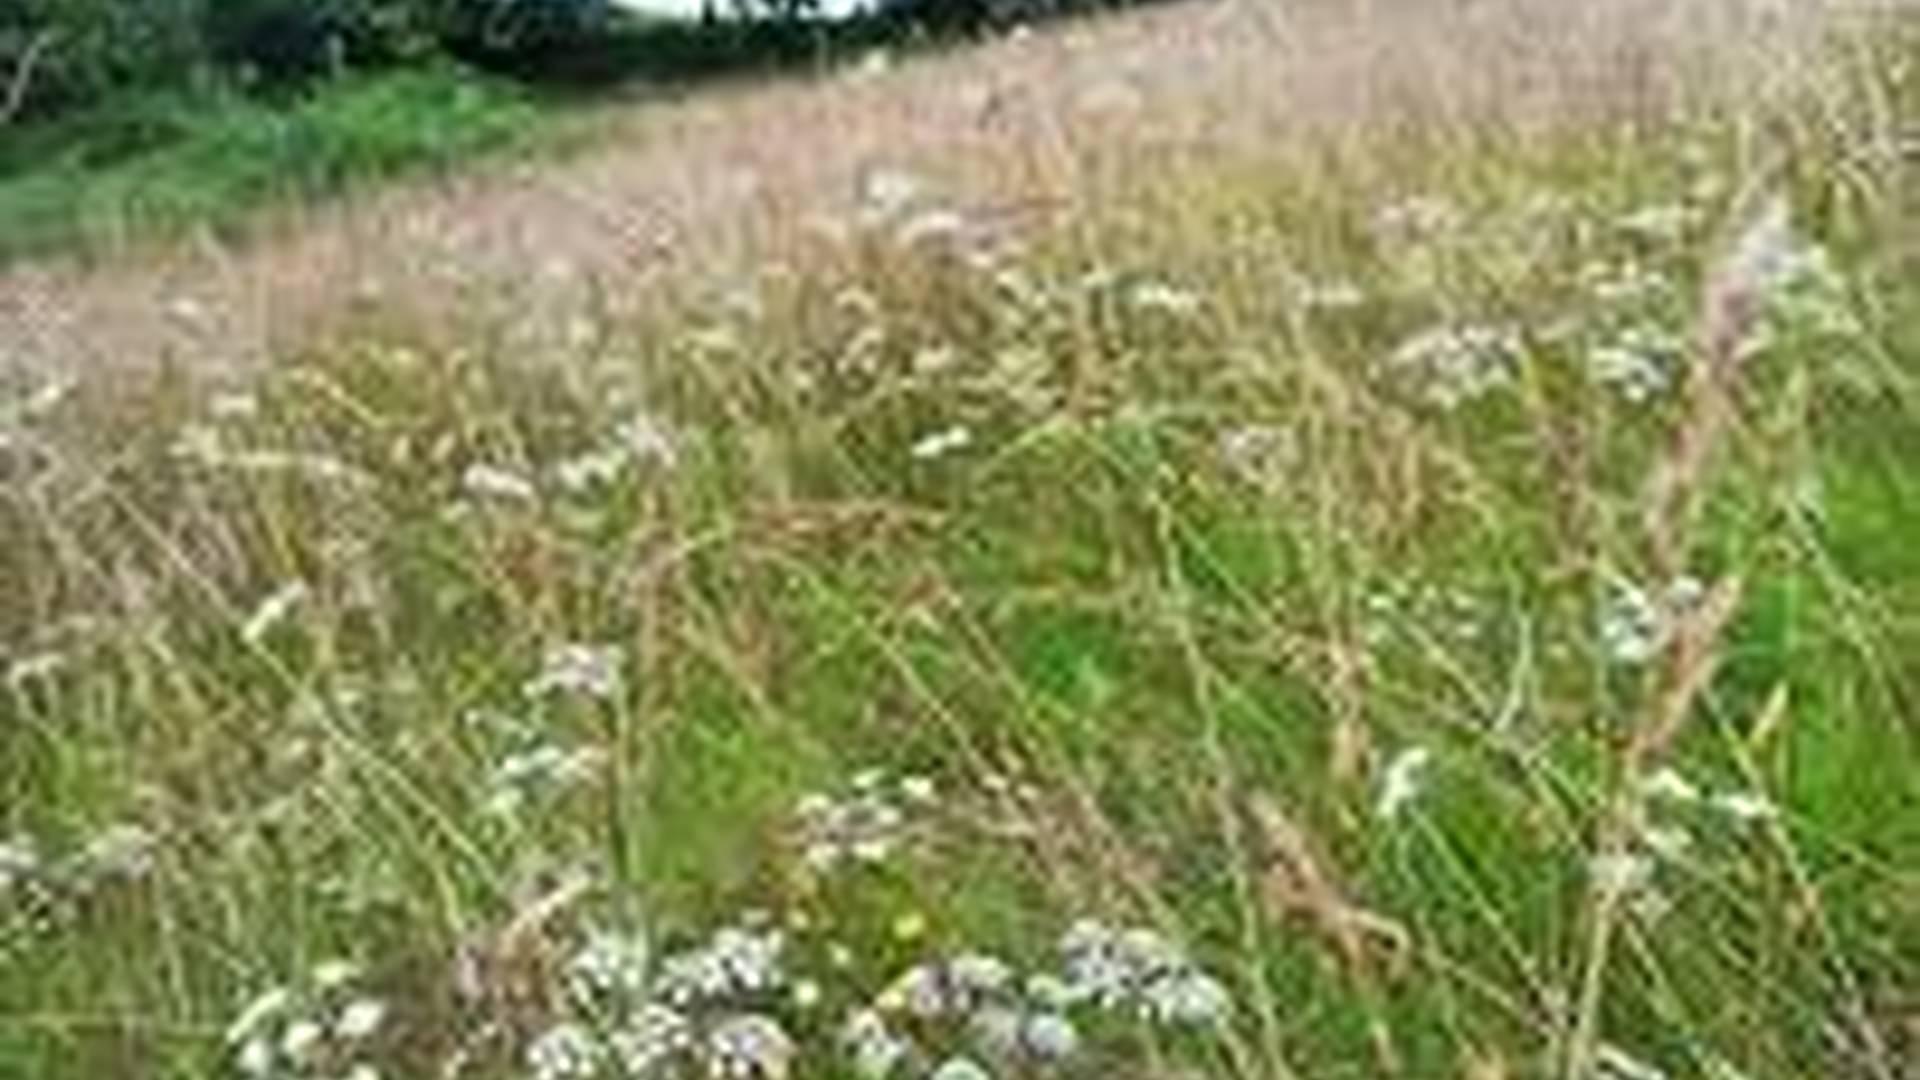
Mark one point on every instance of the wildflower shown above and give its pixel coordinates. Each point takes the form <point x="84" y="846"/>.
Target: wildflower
<point x="1422" y="217"/>
<point x="1631" y="628"/>
<point x="301" y="1040"/>
<point x="941" y="443"/>
<point x="649" y="1039"/>
<point x="1453" y="366"/>
<point x="334" y="974"/>
<point x="1401" y="782"/>
<point x="1186" y="998"/>
<point x="610" y="967"/>
<point x="123" y="852"/>
<point x="961" y="1068"/>
<point x="272" y="611"/>
<point x="1668" y="783"/>
<point x="1330" y="296"/>
<point x="932" y="227"/>
<point x="255" y="1058"/>
<point x="1619" y="873"/>
<point x="567" y="1051"/>
<point x="545" y="767"/>
<point x="1639" y="362"/>
<point x="1665" y="222"/>
<point x="360" y="1019"/>
<point x="876" y="1051"/>
<point x="1050" y="1036"/>
<point x="600" y="468"/>
<point x="888" y="193"/>
<point x="750" y="1046"/>
<point x="584" y="670"/>
<point x="1668" y="842"/>
<point x="1745" y="806"/>
<point x="492" y="482"/>
<point x="1159" y="296"/>
<point x="732" y="963"/>
<point x="233" y="405"/>
<point x="806" y="994"/>
<point x="19" y="860"/>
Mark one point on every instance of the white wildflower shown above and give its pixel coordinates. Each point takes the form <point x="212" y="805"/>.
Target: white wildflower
<point x="941" y="443"/>
<point x="1666" y="222"/>
<point x="233" y="405"/>
<point x="1745" y="806"/>
<point x="1162" y="297"/>
<point x="335" y="974"/>
<point x="960" y="1068"/>
<point x="876" y="1051"/>
<point x="272" y="611"/>
<point x="567" y="1051"/>
<point x="1640" y="363"/>
<point x="1050" y="1036"/>
<point x="734" y="962"/>
<point x="19" y="860"/>
<point x="590" y="471"/>
<point x="301" y="1039"/>
<point x="1422" y="217"/>
<point x="585" y="670"/>
<point x="121" y="852"/>
<point x="1619" y="873"/>
<point x="649" y="1039"/>
<point x="1330" y="295"/>
<point x="1632" y="630"/>
<point x="1186" y="998"/>
<point x="1453" y="366"/>
<point x="1668" y="783"/>
<point x="493" y="482"/>
<point x="256" y="1058"/>
<point x="750" y="1047"/>
<point x="1402" y="781"/>
<point x="932" y="227"/>
<point x="887" y="193"/>
<point x="610" y="967"/>
<point x="360" y="1019"/>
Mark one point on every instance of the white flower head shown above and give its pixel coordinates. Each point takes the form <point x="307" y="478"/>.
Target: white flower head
<point x="941" y="443"/>
<point x="360" y="1019"/>
<point x="585" y="670"/>
<point x="491" y="482"/>
<point x="1745" y="806"/>
<point x="1402" y="781"/>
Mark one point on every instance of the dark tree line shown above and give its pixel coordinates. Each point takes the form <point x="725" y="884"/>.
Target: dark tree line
<point x="57" y="55"/>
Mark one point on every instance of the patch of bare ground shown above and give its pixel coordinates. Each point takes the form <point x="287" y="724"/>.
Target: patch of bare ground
<point x="1035" y="125"/>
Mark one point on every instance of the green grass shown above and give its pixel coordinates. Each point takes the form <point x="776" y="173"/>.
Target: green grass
<point x="171" y="162"/>
<point x="1188" y="560"/>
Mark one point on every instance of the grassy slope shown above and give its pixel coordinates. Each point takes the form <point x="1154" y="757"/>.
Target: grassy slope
<point x="166" y="165"/>
<point x="1192" y="557"/>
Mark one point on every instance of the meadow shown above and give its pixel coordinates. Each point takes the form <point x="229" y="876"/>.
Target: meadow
<point x="1323" y="540"/>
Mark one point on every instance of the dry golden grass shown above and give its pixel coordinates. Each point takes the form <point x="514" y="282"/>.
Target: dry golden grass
<point x="1045" y="126"/>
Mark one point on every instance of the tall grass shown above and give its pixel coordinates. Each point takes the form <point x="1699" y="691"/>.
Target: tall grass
<point x="1445" y="587"/>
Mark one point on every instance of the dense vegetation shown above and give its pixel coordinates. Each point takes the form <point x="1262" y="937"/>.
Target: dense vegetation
<point x="124" y="119"/>
<point x="1436" y="601"/>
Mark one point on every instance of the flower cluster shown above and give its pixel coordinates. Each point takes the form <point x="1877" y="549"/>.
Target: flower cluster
<point x="591" y="671"/>
<point x="1635" y="625"/>
<point x="320" y="1027"/>
<point x="964" y="1015"/>
<point x="1452" y="366"/>
<point x="864" y="825"/>
<point x="704" y="1008"/>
